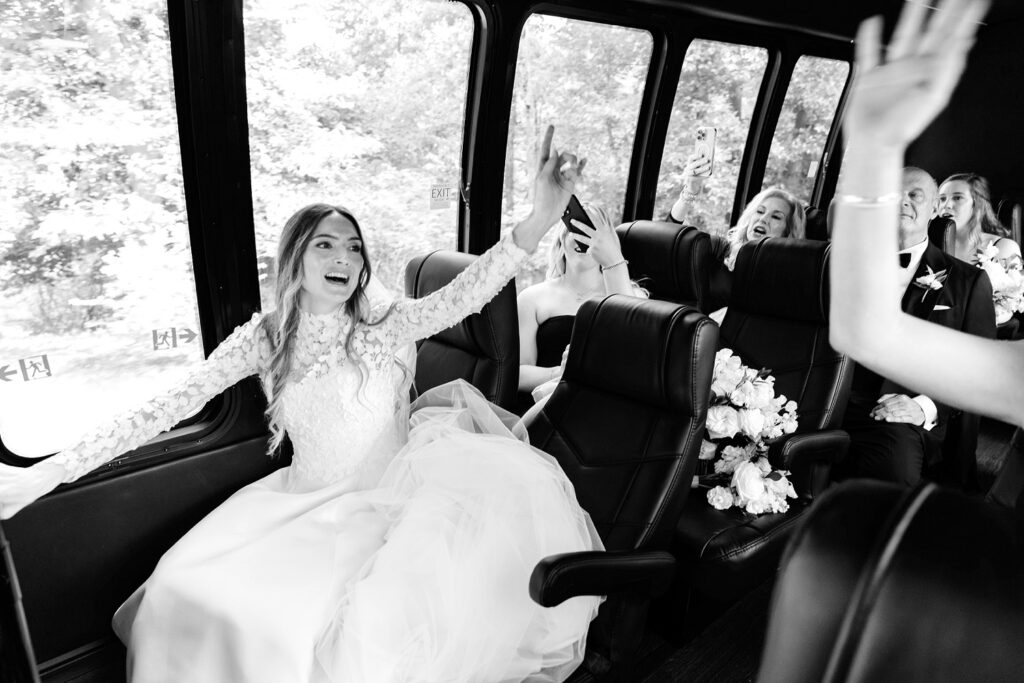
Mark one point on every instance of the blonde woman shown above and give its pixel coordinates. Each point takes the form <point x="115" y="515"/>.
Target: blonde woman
<point x="773" y="212"/>
<point x="580" y="267"/>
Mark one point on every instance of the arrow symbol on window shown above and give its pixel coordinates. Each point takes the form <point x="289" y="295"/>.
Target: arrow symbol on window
<point x="5" y="373"/>
<point x="186" y="335"/>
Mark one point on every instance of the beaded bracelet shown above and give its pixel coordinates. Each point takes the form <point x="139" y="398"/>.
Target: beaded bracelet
<point x="614" y="265"/>
<point x="857" y="200"/>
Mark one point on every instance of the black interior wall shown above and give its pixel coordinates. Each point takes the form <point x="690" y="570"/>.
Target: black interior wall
<point x="982" y="129"/>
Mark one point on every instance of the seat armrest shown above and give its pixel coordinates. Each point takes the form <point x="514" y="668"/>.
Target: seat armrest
<point x="557" y="578"/>
<point x="809" y="458"/>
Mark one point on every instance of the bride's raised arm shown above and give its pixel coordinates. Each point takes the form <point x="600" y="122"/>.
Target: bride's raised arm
<point x="242" y="354"/>
<point x="895" y="96"/>
<point x="483" y="279"/>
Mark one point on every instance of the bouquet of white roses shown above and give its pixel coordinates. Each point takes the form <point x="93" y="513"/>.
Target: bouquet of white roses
<point x="1007" y="282"/>
<point x="743" y="414"/>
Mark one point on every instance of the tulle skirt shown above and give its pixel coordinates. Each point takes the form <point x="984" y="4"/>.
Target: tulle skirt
<point x="423" y="577"/>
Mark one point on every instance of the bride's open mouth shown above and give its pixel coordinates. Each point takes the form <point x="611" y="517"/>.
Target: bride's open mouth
<point x="337" y="278"/>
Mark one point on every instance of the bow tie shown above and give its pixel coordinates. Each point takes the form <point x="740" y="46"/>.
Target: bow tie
<point x="904" y="260"/>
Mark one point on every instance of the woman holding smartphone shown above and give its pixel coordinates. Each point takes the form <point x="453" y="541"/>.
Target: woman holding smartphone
<point x="773" y="212"/>
<point x="581" y="265"/>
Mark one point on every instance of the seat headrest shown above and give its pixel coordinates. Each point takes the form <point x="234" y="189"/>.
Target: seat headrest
<point x="817" y="227"/>
<point x="642" y="349"/>
<point x="942" y="233"/>
<point x="668" y="259"/>
<point x="476" y="333"/>
<point x="782" y="277"/>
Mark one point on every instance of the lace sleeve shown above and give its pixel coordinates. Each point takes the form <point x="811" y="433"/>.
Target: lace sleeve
<point x="413" y="319"/>
<point x="242" y="354"/>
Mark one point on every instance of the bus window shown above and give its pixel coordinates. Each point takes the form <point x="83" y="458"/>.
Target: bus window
<point x="359" y="103"/>
<point x="802" y="130"/>
<point x="98" y="302"/>
<point x="718" y="87"/>
<point x="587" y="80"/>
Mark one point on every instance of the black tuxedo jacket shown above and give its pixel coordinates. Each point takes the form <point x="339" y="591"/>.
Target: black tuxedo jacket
<point x="963" y="303"/>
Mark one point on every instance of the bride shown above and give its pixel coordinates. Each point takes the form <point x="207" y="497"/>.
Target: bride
<point x="392" y="548"/>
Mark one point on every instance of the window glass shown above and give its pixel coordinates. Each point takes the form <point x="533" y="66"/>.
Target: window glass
<point x="807" y="115"/>
<point x="718" y="88"/>
<point x="359" y="103"/>
<point x="587" y="80"/>
<point x="98" y="302"/>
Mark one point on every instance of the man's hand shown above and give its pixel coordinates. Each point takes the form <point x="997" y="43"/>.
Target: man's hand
<point x="898" y="408"/>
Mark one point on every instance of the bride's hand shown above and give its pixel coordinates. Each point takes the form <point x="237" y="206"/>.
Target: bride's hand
<point x="555" y="182"/>
<point x="20" y="486"/>
<point x="896" y="95"/>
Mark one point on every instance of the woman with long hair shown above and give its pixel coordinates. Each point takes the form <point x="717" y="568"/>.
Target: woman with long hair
<point x="581" y="266"/>
<point x="773" y="212"/>
<point x="387" y="548"/>
<point x="966" y="198"/>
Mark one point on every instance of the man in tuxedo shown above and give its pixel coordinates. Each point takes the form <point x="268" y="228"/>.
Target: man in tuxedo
<point x="896" y="434"/>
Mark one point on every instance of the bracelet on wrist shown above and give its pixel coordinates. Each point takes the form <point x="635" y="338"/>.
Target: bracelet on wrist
<point x="623" y="262"/>
<point x="888" y="199"/>
<point x="688" y="196"/>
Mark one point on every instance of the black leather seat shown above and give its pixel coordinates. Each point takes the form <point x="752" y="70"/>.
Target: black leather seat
<point x="816" y="227"/>
<point x="483" y="349"/>
<point x="777" y="319"/>
<point x="625" y="423"/>
<point x="671" y="261"/>
<point x="942" y="233"/>
<point x="1011" y="214"/>
<point x="881" y="583"/>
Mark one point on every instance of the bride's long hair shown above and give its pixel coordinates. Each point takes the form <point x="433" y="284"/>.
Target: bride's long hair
<point x="282" y="325"/>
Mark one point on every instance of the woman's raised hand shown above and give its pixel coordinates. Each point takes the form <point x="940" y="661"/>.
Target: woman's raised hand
<point x="695" y="173"/>
<point x="20" y="486"/>
<point x="556" y="179"/>
<point x="602" y="240"/>
<point x="897" y="93"/>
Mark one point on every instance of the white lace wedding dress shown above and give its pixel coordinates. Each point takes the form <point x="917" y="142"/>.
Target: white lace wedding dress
<point x="365" y="559"/>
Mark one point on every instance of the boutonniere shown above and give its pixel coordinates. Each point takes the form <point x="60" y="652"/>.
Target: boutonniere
<point x="931" y="281"/>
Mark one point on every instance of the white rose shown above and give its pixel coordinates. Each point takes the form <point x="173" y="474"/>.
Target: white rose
<point x="749" y="484"/>
<point x="720" y="498"/>
<point x="728" y="373"/>
<point x="763" y="465"/>
<point x="751" y="422"/>
<point x="707" y="450"/>
<point x="731" y="457"/>
<point x="763" y="393"/>
<point x="722" y="422"/>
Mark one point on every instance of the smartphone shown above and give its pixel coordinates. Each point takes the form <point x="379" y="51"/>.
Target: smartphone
<point x="574" y="211"/>
<point x="704" y="146"/>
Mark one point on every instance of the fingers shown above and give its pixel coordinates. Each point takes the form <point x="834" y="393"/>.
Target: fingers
<point x="545" y="146"/>
<point x="954" y="22"/>
<point x="908" y="31"/>
<point x="868" y="43"/>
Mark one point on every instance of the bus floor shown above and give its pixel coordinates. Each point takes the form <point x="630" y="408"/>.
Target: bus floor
<point x="726" y="651"/>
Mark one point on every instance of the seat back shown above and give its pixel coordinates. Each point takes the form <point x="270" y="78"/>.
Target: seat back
<point x="884" y="583"/>
<point x="817" y="226"/>
<point x="778" y="319"/>
<point x="1011" y="214"/>
<point x="671" y="261"/>
<point x="626" y="421"/>
<point x="483" y="349"/>
<point x="942" y="233"/>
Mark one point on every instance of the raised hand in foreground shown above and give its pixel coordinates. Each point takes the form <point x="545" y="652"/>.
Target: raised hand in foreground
<point x="895" y="96"/>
